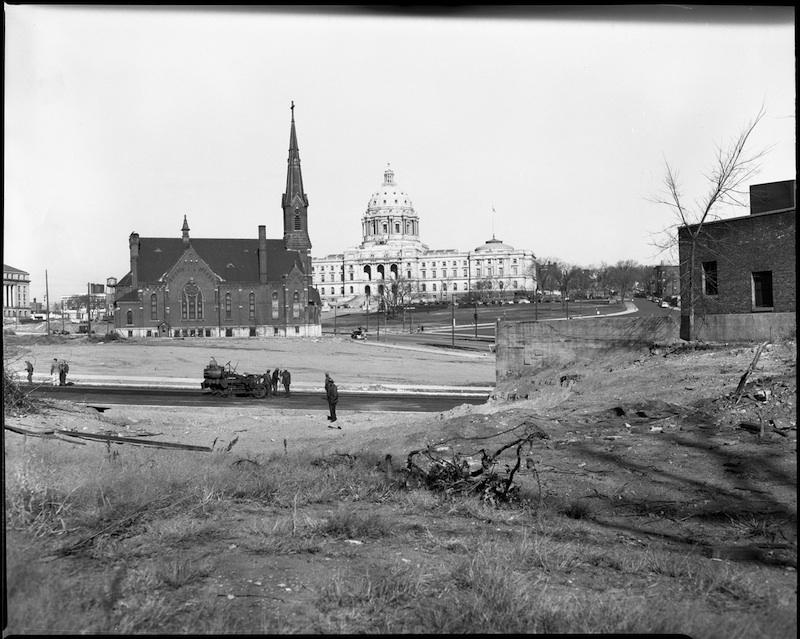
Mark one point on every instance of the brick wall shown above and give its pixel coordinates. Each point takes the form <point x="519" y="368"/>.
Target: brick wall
<point x="741" y="246"/>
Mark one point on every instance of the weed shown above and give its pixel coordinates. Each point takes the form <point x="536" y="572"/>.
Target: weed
<point x="349" y="522"/>
<point x="181" y="571"/>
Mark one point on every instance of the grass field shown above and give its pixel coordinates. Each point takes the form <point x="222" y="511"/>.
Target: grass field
<point x="616" y="527"/>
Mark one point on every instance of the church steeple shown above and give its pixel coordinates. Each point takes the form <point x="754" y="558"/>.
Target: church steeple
<point x="295" y="201"/>
<point x="185" y="232"/>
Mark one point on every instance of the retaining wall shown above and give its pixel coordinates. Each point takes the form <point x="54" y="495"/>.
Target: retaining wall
<point x="522" y="348"/>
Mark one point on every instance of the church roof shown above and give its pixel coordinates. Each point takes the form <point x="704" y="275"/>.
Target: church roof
<point x="235" y="260"/>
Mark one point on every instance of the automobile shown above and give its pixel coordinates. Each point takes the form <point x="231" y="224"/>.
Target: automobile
<point x="523" y="301"/>
<point x="664" y="304"/>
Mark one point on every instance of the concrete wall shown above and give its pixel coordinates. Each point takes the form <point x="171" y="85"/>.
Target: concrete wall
<point x="745" y="327"/>
<point x="525" y="347"/>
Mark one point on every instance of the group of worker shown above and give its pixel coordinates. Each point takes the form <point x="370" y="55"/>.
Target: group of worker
<point x="278" y="375"/>
<point x="58" y="371"/>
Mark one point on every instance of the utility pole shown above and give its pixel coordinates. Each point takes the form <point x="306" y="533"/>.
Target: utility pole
<point x="89" y="309"/>
<point x="475" y="318"/>
<point x="453" y="321"/>
<point x="47" y="301"/>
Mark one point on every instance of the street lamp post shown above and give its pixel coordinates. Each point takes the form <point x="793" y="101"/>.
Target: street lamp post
<point x="475" y="318"/>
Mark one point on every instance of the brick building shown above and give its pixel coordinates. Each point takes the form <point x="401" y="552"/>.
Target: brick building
<point x="220" y="287"/>
<point x="744" y="265"/>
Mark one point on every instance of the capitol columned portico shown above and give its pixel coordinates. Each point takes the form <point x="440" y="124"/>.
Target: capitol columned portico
<point x="391" y="265"/>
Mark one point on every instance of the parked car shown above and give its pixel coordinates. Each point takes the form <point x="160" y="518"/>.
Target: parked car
<point x="664" y="304"/>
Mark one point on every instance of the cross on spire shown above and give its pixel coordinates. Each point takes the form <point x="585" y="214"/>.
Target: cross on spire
<point x="292" y="109"/>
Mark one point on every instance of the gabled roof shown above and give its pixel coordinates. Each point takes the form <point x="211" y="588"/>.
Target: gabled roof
<point x="234" y="260"/>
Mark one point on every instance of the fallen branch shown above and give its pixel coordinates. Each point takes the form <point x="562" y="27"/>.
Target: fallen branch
<point x="750" y="369"/>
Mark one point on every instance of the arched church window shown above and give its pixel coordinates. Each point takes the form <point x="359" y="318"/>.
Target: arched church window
<point x="129" y="317"/>
<point x="191" y="302"/>
<point x="252" y="302"/>
<point x="274" y="305"/>
<point x="296" y="304"/>
<point x="227" y="305"/>
<point x="153" y="306"/>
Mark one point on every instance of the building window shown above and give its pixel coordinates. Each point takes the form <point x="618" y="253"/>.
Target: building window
<point x="351" y="288"/>
<point x="514" y="284"/>
<point x="274" y="330"/>
<point x="408" y="274"/>
<point x="297" y="330"/>
<point x="149" y="333"/>
<point x="322" y="277"/>
<point x="397" y="228"/>
<point x="153" y="306"/>
<point x="252" y="331"/>
<point x="710" y="283"/>
<point x="227" y="307"/>
<point x="434" y="287"/>
<point x="423" y="274"/>
<point x="228" y="332"/>
<point x="129" y="317"/>
<point x="274" y="305"/>
<point x="351" y="276"/>
<point x="514" y="270"/>
<point x="297" y="226"/>
<point x="322" y="290"/>
<point x="433" y="273"/>
<point x="191" y="302"/>
<point x="762" y="289"/>
<point x="252" y="306"/>
<point x="296" y="304"/>
<point x="423" y="287"/>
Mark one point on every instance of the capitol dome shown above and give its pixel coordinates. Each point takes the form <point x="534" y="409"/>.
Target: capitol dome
<point x="493" y="246"/>
<point x="390" y="195"/>
<point x="390" y="218"/>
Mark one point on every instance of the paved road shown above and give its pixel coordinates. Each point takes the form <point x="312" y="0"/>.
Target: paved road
<point x="397" y="402"/>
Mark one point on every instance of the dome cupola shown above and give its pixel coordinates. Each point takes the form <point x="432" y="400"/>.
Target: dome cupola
<point x="390" y="217"/>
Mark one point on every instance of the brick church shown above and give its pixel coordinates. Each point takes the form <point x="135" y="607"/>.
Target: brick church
<point x="219" y="287"/>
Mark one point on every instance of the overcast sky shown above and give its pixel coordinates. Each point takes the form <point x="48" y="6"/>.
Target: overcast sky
<point x="121" y="120"/>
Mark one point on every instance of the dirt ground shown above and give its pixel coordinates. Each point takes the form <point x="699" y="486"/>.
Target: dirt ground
<point x="652" y="448"/>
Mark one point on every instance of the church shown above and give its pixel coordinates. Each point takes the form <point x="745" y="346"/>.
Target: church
<point x="391" y="266"/>
<point x="218" y="287"/>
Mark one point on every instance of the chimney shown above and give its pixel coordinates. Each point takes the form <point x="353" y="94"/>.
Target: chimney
<point x="262" y="254"/>
<point x="133" y="241"/>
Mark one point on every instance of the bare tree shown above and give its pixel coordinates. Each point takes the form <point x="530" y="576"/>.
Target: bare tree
<point x="624" y="275"/>
<point x="731" y="169"/>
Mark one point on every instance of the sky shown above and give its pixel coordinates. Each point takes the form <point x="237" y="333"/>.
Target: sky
<point x="547" y="128"/>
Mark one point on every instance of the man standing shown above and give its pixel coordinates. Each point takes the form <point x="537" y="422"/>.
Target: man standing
<point x="29" y="369"/>
<point x="332" y="395"/>
<point x="275" y="375"/>
<point x="63" y="369"/>
<point x="286" y="378"/>
<point x="54" y="371"/>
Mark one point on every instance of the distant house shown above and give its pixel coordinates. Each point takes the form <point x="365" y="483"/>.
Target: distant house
<point x="665" y="281"/>
<point x="745" y="283"/>
<point x="16" y="293"/>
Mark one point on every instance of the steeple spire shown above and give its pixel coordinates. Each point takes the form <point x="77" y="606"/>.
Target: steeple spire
<point x="185" y="232"/>
<point x="295" y="202"/>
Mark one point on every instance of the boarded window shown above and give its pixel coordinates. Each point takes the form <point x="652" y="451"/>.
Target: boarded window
<point x="275" y="305"/>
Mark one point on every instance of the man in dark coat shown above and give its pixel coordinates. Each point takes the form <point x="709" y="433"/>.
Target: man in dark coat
<point x="286" y="378"/>
<point x="332" y="395"/>
<point x="63" y="369"/>
<point x="275" y="376"/>
<point x="29" y="369"/>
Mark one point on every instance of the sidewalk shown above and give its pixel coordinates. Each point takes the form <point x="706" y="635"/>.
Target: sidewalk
<point x="192" y="383"/>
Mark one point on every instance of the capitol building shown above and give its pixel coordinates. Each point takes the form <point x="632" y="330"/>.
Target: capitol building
<point x="392" y="266"/>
